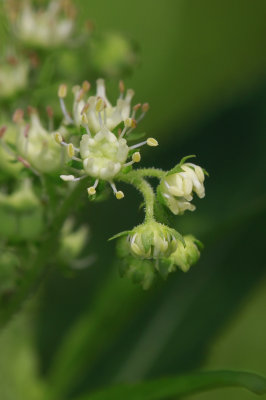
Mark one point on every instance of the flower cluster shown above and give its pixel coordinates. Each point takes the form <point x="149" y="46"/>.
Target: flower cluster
<point x="42" y="27"/>
<point x="103" y="148"/>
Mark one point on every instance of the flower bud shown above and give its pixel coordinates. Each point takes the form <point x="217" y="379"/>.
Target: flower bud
<point x="185" y="257"/>
<point x="152" y="240"/>
<point x="177" y="188"/>
<point x="112" y="55"/>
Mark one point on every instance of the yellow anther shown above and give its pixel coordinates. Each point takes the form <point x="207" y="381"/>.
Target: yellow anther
<point x="136" y="157"/>
<point x="91" y="191"/>
<point x="99" y="104"/>
<point x="130" y="123"/>
<point x="62" y="91"/>
<point x="119" y="195"/>
<point x="58" y="138"/>
<point x="84" y="119"/>
<point x="152" y="142"/>
<point x="70" y="150"/>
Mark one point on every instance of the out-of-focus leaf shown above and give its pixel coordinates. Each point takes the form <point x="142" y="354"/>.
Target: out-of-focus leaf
<point x="181" y="386"/>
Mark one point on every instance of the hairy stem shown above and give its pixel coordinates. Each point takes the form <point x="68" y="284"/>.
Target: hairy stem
<point x="144" y="187"/>
<point x="150" y="172"/>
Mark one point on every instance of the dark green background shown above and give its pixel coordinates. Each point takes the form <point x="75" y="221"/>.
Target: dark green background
<point x="202" y="70"/>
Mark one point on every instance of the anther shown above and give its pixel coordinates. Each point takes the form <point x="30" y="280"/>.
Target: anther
<point x="70" y="150"/>
<point x="136" y="157"/>
<point x="152" y="142"/>
<point x="58" y="138"/>
<point x="62" y="91"/>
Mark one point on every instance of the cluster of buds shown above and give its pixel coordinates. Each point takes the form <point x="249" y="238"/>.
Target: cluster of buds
<point x="103" y="148"/>
<point x="14" y="71"/>
<point x="177" y="188"/>
<point x="42" y="27"/>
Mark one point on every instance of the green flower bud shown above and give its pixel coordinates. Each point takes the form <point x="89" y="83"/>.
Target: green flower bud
<point x="153" y="240"/>
<point x="185" y="257"/>
<point x="21" y="214"/>
<point x="141" y="272"/>
<point x="177" y="188"/>
<point x="112" y="55"/>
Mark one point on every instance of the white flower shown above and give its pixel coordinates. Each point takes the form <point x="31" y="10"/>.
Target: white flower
<point x="42" y="27"/>
<point x="103" y="155"/>
<point x="14" y="73"/>
<point x="178" y="188"/>
<point x="88" y="111"/>
<point x="37" y="146"/>
<point x="103" y="151"/>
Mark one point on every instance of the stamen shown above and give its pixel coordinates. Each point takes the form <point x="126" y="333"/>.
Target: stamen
<point x="135" y="109"/>
<point x="129" y="123"/>
<point x="118" y="194"/>
<point x="85" y="124"/>
<point x="67" y="178"/>
<point x="150" y="142"/>
<point x="121" y="89"/>
<point x="62" y="92"/>
<point x="92" y="190"/>
<point x="58" y="138"/>
<point x="145" y="108"/>
<point x="135" y="159"/>
<point x="70" y="150"/>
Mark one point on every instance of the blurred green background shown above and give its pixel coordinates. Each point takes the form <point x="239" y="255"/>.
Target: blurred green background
<point x="202" y="69"/>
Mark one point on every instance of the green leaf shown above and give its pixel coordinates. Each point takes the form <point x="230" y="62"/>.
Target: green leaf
<point x="83" y="130"/>
<point x="178" y="168"/>
<point x="119" y="235"/>
<point x="182" y="385"/>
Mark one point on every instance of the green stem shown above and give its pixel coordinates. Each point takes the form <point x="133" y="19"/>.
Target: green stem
<point x="151" y="172"/>
<point x="40" y="263"/>
<point x="144" y="187"/>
